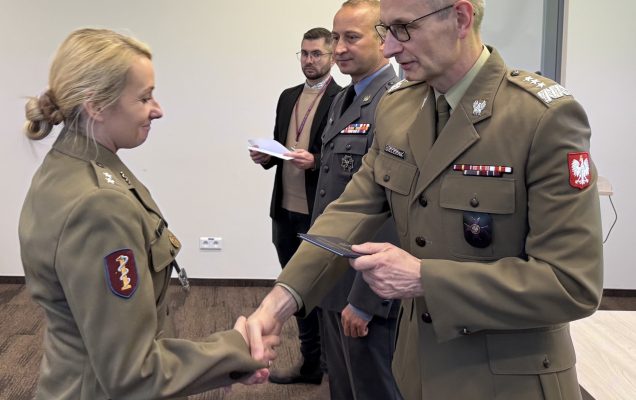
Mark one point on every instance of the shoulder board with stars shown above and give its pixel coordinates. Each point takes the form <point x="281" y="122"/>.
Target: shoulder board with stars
<point x="403" y="84"/>
<point x="543" y="88"/>
<point x="107" y="178"/>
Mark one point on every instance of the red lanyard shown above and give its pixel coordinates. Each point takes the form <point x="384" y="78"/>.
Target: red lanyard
<point x="299" y="129"/>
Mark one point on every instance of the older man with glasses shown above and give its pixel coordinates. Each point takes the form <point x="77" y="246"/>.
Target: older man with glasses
<point x="486" y="172"/>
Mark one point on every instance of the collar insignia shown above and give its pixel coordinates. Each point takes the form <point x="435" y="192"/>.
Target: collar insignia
<point x="478" y="107"/>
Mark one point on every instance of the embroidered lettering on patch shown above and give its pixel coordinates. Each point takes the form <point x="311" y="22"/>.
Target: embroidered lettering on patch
<point x="121" y="272"/>
<point x="552" y="93"/>
<point x="579" y="167"/>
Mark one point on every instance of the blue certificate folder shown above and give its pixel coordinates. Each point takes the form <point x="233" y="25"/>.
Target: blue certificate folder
<point x="333" y="244"/>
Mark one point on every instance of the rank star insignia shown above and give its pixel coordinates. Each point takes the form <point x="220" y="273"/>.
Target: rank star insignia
<point x="347" y="163"/>
<point x="109" y="178"/>
<point x="478" y="107"/>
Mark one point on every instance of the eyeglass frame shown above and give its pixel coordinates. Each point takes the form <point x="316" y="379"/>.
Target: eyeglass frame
<point x="311" y="55"/>
<point x="389" y="28"/>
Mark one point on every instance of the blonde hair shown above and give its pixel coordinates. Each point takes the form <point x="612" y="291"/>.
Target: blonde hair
<point x="90" y="65"/>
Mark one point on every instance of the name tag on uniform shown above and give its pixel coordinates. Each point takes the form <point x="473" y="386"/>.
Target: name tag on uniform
<point x="394" y="151"/>
<point x="356" y="129"/>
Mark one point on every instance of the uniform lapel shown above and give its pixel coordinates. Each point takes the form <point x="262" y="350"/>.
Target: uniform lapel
<point x="287" y="112"/>
<point x="460" y="132"/>
<point x="353" y="113"/>
<point x="342" y="121"/>
<point x="458" y="135"/>
<point x="323" y="108"/>
<point x="421" y="134"/>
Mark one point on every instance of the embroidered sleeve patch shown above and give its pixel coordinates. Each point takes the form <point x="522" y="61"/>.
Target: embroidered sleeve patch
<point x="579" y="166"/>
<point x="121" y="272"/>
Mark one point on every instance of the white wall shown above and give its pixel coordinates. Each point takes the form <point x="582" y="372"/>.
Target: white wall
<point x="220" y="67"/>
<point x="599" y="71"/>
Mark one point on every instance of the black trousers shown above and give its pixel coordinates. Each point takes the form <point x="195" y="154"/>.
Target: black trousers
<point x="285" y="230"/>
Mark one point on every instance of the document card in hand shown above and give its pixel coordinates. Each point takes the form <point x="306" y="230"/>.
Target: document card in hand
<point x="333" y="244"/>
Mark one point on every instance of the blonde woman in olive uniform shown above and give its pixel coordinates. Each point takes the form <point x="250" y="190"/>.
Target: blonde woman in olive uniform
<point x="96" y="250"/>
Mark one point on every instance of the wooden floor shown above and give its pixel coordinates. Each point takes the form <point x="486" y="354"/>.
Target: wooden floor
<point x="606" y="354"/>
<point x="206" y="309"/>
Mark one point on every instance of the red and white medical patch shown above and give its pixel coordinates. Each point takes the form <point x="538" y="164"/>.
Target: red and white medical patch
<point x="579" y="166"/>
<point x="121" y="272"/>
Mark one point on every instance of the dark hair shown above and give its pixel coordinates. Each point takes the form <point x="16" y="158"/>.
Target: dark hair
<point x="318" y="33"/>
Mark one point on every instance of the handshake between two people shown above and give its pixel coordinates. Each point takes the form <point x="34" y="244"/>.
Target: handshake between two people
<point x="391" y="272"/>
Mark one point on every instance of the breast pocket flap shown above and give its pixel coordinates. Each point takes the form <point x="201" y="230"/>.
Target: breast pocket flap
<point x="395" y="175"/>
<point x="163" y="249"/>
<point x="478" y="194"/>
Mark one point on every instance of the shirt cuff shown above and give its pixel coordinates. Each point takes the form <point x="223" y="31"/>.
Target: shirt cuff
<point x="295" y="295"/>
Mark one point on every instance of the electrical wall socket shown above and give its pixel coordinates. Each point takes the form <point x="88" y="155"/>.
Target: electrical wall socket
<point x="210" y="243"/>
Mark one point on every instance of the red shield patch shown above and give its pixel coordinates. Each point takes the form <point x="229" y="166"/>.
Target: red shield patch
<point x="121" y="272"/>
<point x="579" y="167"/>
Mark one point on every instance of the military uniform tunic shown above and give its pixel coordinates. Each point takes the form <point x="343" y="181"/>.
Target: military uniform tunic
<point x="108" y="333"/>
<point x="492" y="322"/>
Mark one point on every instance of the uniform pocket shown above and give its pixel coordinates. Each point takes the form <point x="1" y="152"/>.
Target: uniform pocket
<point x="164" y="248"/>
<point x="348" y="151"/>
<point x="466" y="197"/>
<point x="398" y="178"/>
<point x="539" y="364"/>
<point x="532" y="352"/>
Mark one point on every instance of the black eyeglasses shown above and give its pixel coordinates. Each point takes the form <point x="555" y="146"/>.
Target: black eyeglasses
<point x="399" y="31"/>
<point x="316" y="55"/>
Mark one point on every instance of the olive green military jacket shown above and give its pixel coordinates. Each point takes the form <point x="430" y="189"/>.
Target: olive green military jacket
<point x="98" y="256"/>
<point x="493" y="320"/>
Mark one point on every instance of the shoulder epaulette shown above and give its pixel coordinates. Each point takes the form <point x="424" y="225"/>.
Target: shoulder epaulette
<point x="543" y="88"/>
<point x="403" y="84"/>
<point x="107" y="178"/>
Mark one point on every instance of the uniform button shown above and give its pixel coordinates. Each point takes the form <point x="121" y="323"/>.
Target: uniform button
<point x="331" y="146"/>
<point x="325" y="168"/>
<point x="465" y="332"/>
<point x="348" y="147"/>
<point x="386" y="178"/>
<point x="474" y="202"/>
<point x="426" y="317"/>
<point x="515" y="73"/>
<point x="546" y="362"/>
<point x="173" y="252"/>
<point x="386" y="302"/>
<point x="322" y="192"/>
<point x="423" y="201"/>
<point x="420" y="241"/>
